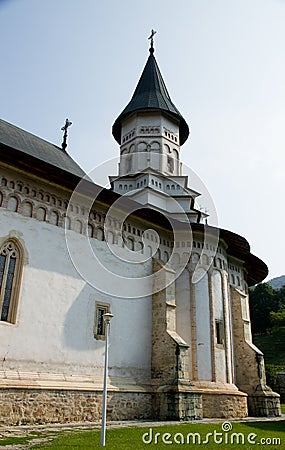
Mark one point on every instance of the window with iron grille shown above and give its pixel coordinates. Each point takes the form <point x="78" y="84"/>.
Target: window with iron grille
<point x="10" y="278"/>
<point x="99" y="326"/>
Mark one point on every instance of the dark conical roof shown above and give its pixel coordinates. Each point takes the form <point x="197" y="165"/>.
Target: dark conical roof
<point x="151" y="93"/>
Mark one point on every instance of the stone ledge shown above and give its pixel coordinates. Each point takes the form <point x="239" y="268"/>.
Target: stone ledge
<point x="195" y="390"/>
<point x="62" y="381"/>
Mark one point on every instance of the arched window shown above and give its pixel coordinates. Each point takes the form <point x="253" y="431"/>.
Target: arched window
<point x="10" y="277"/>
<point x="27" y="209"/>
<point x="142" y="147"/>
<point x="53" y="218"/>
<point x="12" y="204"/>
<point x="170" y="164"/>
<point x="130" y="243"/>
<point x="78" y="226"/>
<point x="110" y="237"/>
<point x="99" y="234"/>
<point x="41" y="214"/>
<point x="175" y="154"/>
<point x="165" y="256"/>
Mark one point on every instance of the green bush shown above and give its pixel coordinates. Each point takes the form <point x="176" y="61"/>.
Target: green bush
<point x="271" y="375"/>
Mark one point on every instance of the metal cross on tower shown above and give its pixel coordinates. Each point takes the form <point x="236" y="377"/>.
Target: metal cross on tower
<point x="151" y="41"/>
<point x="65" y="128"/>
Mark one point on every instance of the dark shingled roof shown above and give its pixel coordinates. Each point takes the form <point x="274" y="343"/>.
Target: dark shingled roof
<point x="22" y="141"/>
<point x="151" y="94"/>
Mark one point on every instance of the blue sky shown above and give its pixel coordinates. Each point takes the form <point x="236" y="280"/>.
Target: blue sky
<point x="223" y="64"/>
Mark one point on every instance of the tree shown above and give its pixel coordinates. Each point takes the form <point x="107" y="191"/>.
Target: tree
<point x="280" y="296"/>
<point x="262" y="300"/>
<point x="278" y="318"/>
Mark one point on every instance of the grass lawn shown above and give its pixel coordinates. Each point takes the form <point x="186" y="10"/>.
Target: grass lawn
<point x="250" y="435"/>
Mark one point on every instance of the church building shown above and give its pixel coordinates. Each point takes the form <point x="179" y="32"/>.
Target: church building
<point x="70" y="250"/>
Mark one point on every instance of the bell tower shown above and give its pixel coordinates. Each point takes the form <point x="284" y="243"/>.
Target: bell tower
<point x="150" y="131"/>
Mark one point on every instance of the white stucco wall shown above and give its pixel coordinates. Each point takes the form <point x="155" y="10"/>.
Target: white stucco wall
<point x="54" y="328"/>
<point x="182" y="295"/>
<point x="220" y="357"/>
<point x="154" y="132"/>
<point x="203" y="329"/>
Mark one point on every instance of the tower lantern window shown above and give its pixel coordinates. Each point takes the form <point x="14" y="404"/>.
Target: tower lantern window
<point x="170" y="164"/>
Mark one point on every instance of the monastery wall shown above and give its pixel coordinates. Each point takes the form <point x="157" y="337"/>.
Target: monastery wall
<point x="66" y="327"/>
<point x="52" y="347"/>
<point x="55" y="325"/>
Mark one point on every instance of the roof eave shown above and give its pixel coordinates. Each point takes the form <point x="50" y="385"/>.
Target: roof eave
<point x="15" y="158"/>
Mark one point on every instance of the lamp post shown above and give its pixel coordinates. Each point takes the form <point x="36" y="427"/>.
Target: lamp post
<point x="107" y="319"/>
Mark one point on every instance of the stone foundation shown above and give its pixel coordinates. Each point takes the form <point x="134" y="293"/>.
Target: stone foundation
<point x="175" y="405"/>
<point x="22" y="406"/>
<point x="40" y="406"/>
<point x="264" y="403"/>
<point x="228" y="406"/>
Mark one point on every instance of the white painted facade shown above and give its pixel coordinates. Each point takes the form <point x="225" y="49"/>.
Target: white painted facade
<point x="79" y="254"/>
<point x="54" y="331"/>
<point x="57" y="306"/>
<point x="203" y="329"/>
